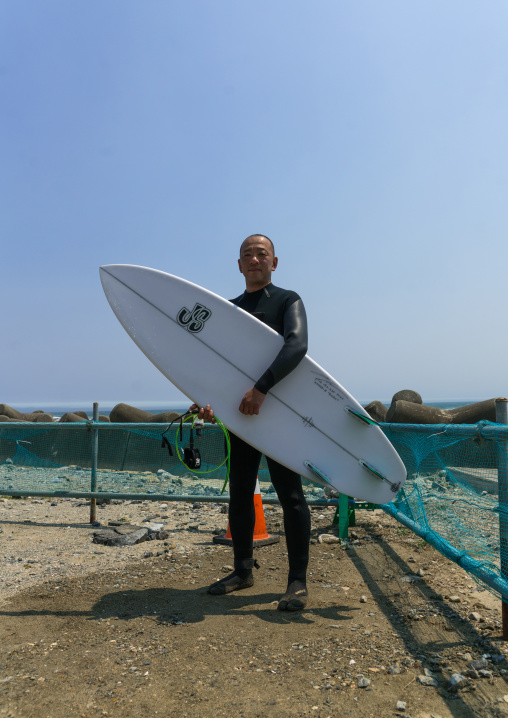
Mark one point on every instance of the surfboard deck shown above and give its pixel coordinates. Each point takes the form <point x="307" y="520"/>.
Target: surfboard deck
<point x="214" y="352"/>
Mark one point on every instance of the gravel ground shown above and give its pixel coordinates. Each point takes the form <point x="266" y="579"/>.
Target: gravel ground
<point x="391" y="628"/>
<point x="45" y="539"/>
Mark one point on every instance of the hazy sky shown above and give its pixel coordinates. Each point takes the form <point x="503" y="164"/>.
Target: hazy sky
<point x="367" y="139"/>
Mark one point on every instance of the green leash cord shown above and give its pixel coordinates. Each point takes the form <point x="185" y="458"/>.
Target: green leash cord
<point x="208" y="471"/>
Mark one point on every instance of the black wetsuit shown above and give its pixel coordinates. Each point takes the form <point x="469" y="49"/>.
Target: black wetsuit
<point x="283" y="311"/>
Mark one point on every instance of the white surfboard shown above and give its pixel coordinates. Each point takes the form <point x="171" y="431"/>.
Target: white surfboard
<point x="214" y="352"/>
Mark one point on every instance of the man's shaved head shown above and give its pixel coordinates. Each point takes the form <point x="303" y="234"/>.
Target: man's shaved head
<point x="258" y="236"/>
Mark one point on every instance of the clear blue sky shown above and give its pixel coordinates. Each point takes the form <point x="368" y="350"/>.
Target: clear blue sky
<point x="367" y="139"/>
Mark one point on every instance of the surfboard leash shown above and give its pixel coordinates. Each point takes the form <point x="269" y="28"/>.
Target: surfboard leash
<point x="191" y="455"/>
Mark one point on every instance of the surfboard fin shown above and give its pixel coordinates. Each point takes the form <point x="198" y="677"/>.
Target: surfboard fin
<point x="361" y="417"/>
<point x="317" y="473"/>
<point x="394" y="487"/>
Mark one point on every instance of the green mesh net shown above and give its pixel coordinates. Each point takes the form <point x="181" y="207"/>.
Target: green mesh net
<point x="456" y="493"/>
<point x="56" y="459"/>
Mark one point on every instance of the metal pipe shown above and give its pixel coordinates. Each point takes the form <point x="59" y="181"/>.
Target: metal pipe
<point x="95" y="455"/>
<point x="147" y="497"/>
<point x="502" y="479"/>
<point x="487" y="430"/>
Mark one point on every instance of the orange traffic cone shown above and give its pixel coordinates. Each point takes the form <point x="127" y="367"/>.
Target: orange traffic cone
<point x="261" y="536"/>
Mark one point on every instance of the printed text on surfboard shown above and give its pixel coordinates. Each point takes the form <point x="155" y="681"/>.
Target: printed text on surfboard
<point x="328" y="386"/>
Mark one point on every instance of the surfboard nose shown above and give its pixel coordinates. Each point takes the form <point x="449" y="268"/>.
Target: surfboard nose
<point x="111" y="268"/>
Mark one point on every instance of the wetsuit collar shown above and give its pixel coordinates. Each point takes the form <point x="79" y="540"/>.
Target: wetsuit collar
<point x="257" y="292"/>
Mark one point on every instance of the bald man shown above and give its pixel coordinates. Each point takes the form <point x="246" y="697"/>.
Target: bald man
<point x="283" y="311"/>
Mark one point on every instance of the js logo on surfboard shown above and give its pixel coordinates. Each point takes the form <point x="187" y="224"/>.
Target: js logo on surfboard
<point x="194" y="320"/>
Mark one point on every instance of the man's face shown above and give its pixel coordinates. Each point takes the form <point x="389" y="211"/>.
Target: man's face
<point x="257" y="262"/>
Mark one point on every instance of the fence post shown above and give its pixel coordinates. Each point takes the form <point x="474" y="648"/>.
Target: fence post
<point x="502" y="479"/>
<point x="95" y="452"/>
<point x="342" y="516"/>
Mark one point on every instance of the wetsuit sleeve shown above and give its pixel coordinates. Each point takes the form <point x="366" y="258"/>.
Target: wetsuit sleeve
<point x="293" y="350"/>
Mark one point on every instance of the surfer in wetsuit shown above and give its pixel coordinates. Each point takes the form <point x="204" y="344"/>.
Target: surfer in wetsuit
<point x="283" y="311"/>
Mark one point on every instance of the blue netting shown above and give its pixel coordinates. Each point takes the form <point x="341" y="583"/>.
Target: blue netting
<point x="456" y="494"/>
<point x="57" y="458"/>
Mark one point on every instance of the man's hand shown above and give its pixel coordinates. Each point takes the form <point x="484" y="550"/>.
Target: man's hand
<point x="205" y="413"/>
<point x="251" y="402"/>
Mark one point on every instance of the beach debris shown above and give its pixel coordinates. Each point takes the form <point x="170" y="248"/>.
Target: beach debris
<point x="479" y="664"/>
<point x="119" y="533"/>
<point x="475" y="616"/>
<point x="363" y="682"/>
<point x="328" y="538"/>
<point x="428" y="681"/>
<point x="456" y="682"/>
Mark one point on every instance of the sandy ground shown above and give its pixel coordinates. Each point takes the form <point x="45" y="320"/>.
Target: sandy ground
<point x="90" y="630"/>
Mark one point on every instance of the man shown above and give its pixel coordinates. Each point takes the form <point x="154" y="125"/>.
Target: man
<point x="283" y="311"/>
